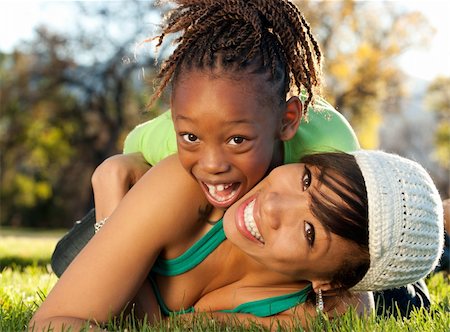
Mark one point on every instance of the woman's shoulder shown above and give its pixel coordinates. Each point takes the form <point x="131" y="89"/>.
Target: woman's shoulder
<point x="165" y="203"/>
<point x="170" y="184"/>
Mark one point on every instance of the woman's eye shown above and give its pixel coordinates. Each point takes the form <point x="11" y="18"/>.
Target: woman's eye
<point x="306" y="180"/>
<point x="310" y="233"/>
<point x="236" y="140"/>
<point x="190" y="138"/>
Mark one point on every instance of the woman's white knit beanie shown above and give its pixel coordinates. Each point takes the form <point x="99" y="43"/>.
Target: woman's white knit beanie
<point x="405" y="220"/>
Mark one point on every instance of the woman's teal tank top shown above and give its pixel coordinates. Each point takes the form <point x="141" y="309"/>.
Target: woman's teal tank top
<point x="196" y="254"/>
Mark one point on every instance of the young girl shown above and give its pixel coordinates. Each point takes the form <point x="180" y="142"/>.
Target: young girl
<point x="265" y="51"/>
<point x="366" y="221"/>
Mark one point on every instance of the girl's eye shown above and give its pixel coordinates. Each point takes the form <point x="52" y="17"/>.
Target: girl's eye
<point x="310" y="233"/>
<point x="306" y="180"/>
<point x="236" y="140"/>
<point x="190" y="138"/>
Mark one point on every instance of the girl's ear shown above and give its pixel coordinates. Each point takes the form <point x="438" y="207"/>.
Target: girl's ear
<point x="291" y="118"/>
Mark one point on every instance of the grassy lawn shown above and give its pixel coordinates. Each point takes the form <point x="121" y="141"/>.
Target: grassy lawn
<point x="25" y="274"/>
<point x="26" y="247"/>
<point x="26" y="278"/>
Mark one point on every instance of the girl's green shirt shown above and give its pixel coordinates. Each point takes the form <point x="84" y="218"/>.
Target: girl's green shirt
<point x="326" y="130"/>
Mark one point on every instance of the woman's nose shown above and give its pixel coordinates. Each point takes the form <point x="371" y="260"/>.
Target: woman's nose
<point x="272" y="209"/>
<point x="280" y="209"/>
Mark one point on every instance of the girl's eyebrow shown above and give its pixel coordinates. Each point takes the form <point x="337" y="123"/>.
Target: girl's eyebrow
<point x="182" y="117"/>
<point x="241" y="121"/>
<point x="230" y="123"/>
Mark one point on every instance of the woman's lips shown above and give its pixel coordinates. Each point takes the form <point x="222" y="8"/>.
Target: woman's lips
<point x="245" y="221"/>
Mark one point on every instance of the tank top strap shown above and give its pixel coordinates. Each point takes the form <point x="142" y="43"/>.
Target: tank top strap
<point x="272" y="305"/>
<point x="194" y="255"/>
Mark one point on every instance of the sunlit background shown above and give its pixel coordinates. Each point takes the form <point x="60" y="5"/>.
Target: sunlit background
<point x="75" y="79"/>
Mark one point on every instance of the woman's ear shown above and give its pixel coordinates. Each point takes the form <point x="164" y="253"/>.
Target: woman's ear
<point x="291" y="118"/>
<point x="324" y="286"/>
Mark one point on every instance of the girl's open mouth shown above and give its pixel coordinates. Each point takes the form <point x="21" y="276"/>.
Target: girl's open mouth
<point x="223" y="194"/>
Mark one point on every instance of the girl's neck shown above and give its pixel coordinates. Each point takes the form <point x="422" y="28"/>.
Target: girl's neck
<point x="277" y="155"/>
<point x="215" y="215"/>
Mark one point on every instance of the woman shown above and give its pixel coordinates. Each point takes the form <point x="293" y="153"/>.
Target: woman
<point x="333" y="222"/>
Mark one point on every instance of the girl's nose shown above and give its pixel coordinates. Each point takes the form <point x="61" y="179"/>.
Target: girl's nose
<point x="214" y="161"/>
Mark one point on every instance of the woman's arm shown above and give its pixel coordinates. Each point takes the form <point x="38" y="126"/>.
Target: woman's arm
<point x="158" y="210"/>
<point x="334" y="306"/>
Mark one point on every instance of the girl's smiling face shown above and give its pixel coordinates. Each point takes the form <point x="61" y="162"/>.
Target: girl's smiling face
<point x="273" y="224"/>
<point x="228" y="132"/>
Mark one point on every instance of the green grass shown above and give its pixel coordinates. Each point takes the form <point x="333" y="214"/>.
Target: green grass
<point x="24" y="285"/>
<point x="21" y="290"/>
<point x="26" y="247"/>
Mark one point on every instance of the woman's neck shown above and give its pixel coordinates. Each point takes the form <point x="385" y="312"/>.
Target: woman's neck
<point x="244" y="269"/>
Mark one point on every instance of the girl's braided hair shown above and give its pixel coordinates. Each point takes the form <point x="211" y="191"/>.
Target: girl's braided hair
<point x="260" y="36"/>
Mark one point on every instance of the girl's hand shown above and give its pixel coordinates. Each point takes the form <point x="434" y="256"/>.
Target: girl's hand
<point x="113" y="178"/>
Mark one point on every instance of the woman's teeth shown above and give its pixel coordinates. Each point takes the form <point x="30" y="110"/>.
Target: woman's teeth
<point x="250" y="221"/>
<point x="218" y="191"/>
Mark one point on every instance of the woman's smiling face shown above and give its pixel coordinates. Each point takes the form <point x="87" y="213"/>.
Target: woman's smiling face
<point x="273" y="224"/>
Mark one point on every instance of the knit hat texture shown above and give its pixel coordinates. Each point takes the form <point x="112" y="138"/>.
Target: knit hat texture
<point x="405" y="220"/>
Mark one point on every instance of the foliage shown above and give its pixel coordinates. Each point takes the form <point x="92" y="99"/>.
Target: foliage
<point x="438" y="101"/>
<point x="39" y="151"/>
<point x="361" y="42"/>
<point x="67" y="102"/>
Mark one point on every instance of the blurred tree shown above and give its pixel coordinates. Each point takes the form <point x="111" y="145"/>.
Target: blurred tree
<point x="66" y="104"/>
<point x="37" y="121"/>
<point x="438" y="101"/>
<point x="361" y="42"/>
<point x="67" y="101"/>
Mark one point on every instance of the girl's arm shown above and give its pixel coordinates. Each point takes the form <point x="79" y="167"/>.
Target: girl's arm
<point x="108" y="272"/>
<point x="113" y="178"/>
<point x="146" y="145"/>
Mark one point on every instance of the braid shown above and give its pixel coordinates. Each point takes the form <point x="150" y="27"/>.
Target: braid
<point x="256" y="36"/>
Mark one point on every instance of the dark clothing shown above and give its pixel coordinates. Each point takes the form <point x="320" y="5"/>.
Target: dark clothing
<point x="403" y="300"/>
<point x="72" y="242"/>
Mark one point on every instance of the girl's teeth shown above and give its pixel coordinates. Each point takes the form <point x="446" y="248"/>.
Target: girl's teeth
<point x="213" y="190"/>
<point x="219" y="187"/>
